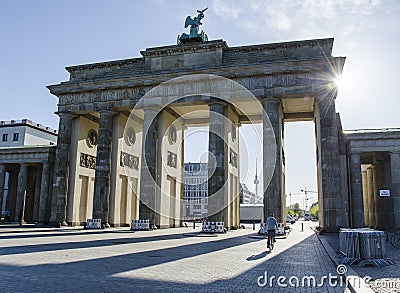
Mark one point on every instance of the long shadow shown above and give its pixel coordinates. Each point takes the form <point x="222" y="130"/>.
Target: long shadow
<point x="98" y="275"/>
<point x="84" y="244"/>
<point x="61" y="232"/>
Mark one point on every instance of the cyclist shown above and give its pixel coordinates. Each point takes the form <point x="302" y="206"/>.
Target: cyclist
<point x="272" y="224"/>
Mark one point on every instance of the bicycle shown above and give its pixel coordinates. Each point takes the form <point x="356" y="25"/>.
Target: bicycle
<point x="395" y="239"/>
<point x="271" y="240"/>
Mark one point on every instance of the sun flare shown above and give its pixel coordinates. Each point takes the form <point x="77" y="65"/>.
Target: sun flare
<point x="339" y="81"/>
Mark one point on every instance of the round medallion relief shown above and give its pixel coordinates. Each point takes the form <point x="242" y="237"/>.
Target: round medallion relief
<point x="130" y="136"/>
<point x="172" y="134"/>
<point x="91" y="138"/>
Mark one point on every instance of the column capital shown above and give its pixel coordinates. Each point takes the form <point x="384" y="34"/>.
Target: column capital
<point x="65" y="114"/>
<point x="270" y="100"/>
<point x="213" y="101"/>
<point x="107" y="111"/>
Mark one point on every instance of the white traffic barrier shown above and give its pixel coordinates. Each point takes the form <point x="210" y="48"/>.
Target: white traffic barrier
<point x="263" y="228"/>
<point x="140" y="225"/>
<point x="93" y="224"/>
<point x="213" y="227"/>
<point x="280" y="230"/>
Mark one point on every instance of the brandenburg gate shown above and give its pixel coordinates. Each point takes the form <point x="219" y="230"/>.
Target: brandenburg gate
<point x="120" y="146"/>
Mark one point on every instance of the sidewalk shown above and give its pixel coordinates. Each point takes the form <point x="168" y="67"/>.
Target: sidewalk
<point x="118" y="260"/>
<point x="384" y="279"/>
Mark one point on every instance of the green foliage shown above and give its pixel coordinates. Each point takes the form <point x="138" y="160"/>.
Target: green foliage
<point x="294" y="210"/>
<point x="314" y="210"/>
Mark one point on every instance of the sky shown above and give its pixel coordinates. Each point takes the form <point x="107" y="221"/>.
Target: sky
<point x="40" y="38"/>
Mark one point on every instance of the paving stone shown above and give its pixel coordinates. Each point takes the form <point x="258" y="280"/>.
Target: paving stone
<point x="116" y="260"/>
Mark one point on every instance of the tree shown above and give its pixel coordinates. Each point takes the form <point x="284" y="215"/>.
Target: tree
<point x="297" y="209"/>
<point x="314" y="210"/>
<point x="294" y="210"/>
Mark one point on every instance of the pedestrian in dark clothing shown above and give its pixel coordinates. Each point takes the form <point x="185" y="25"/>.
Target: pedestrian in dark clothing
<point x="20" y="214"/>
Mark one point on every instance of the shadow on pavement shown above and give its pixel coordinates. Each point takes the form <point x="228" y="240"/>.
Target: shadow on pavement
<point x="99" y="274"/>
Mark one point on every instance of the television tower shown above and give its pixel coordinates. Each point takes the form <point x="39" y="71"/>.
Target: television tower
<point x="256" y="182"/>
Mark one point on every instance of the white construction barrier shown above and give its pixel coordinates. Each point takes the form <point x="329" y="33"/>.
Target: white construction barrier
<point x="138" y="225"/>
<point x="93" y="224"/>
<point x="280" y="230"/>
<point x="213" y="227"/>
<point x="263" y="228"/>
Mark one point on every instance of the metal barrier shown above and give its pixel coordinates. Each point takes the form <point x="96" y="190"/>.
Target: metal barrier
<point x="363" y="246"/>
<point x="213" y="227"/>
<point x="93" y="224"/>
<point x="138" y="225"/>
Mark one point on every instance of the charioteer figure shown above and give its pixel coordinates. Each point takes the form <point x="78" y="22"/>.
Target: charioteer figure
<point x="194" y="24"/>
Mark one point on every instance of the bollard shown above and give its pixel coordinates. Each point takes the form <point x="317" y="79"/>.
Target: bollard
<point x="194" y="224"/>
<point x="254" y="225"/>
<point x="302" y="227"/>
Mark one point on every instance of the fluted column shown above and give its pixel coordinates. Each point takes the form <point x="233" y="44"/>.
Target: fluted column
<point x="61" y="170"/>
<point x="365" y="196"/>
<point x="149" y="176"/>
<point x="2" y="177"/>
<point x="356" y="191"/>
<point x="371" y="201"/>
<point x="44" y="193"/>
<point x="274" y="200"/>
<point x="395" y="192"/>
<point x="377" y="203"/>
<point x="328" y="160"/>
<point x="217" y="166"/>
<point x="21" y="190"/>
<point x="103" y="168"/>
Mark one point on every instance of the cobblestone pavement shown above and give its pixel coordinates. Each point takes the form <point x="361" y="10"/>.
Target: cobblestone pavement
<point x="384" y="279"/>
<point x="171" y="260"/>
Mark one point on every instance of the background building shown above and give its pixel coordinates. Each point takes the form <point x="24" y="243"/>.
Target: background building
<point x="27" y="152"/>
<point x="195" y="193"/>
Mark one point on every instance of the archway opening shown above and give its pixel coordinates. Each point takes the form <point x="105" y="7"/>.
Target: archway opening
<point x="301" y="184"/>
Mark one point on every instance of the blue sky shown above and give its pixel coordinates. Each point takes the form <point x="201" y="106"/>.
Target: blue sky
<point x="40" y="38"/>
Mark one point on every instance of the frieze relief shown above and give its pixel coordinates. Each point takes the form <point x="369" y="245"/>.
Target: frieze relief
<point x="87" y="161"/>
<point x="102" y="96"/>
<point x="130" y="161"/>
<point x="284" y="80"/>
<point x="233" y="158"/>
<point x="171" y="159"/>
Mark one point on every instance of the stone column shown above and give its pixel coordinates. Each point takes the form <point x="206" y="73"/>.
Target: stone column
<point x="2" y="177"/>
<point x="376" y="196"/>
<point x="61" y="171"/>
<point x="217" y="163"/>
<point x="103" y="168"/>
<point x="371" y="201"/>
<point x="365" y="196"/>
<point x="21" y="191"/>
<point x="356" y="191"/>
<point x="149" y="177"/>
<point x="36" y="200"/>
<point x="44" y="193"/>
<point x="328" y="160"/>
<point x="395" y="190"/>
<point x="272" y="161"/>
